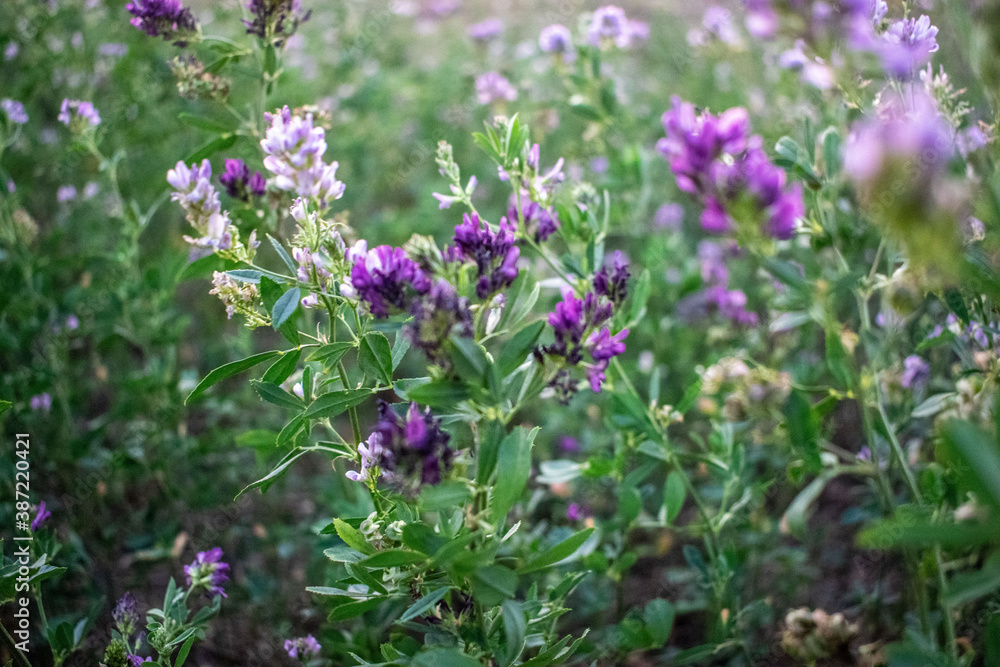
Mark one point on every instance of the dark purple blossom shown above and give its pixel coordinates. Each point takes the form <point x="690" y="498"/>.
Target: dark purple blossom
<point x="208" y="571"/>
<point x="613" y="283"/>
<point x="275" y="20"/>
<point x="126" y="615"/>
<point x="435" y="316"/>
<point x="416" y="448"/>
<point x="385" y="278"/>
<point x="569" y="444"/>
<point x="603" y="348"/>
<point x="137" y="661"/>
<point x="539" y="222"/>
<point x="163" y="18"/>
<point x="717" y="160"/>
<point x="493" y="252"/>
<point x="578" y="328"/>
<point x="575" y="512"/>
<point x="41" y="516"/>
<point x="240" y="183"/>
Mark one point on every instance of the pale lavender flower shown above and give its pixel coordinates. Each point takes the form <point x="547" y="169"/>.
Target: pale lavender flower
<point x="65" y="193"/>
<point x="11" y="50"/>
<point x="14" y="110"/>
<point x="72" y="110"/>
<point x="718" y="22"/>
<point x="41" y="402"/>
<point x="485" y="30"/>
<point x="72" y="322"/>
<point x="113" y="49"/>
<point x="294" y="149"/>
<point x="494" y="87"/>
<point x="302" y="648"/>
<point x="558" y="40"/>
<point x="200" y="201"/>
<point x="609" y="25"/>
<point x="371" y="454"/>
<point x="669" y="217"/>
<point x="907" y="46"/>
<point x="575" y="512"/>
<point x="916" y="372"/>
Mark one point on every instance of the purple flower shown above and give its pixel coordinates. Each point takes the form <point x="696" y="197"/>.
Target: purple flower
<point x="916" y="372"/>
<point x="609" y="25"/>
<point x="730" y="304"/>
<point x="907" y="46"/>
<point x="485" y="30"/>
<point x="669" y="217"/>
<point x="137" y="661"/>
<point x="435" y="315"/>
<point x="718" y="22"/>
<point x="302" y="648"/>
<point x="238" y="181"/>
<point x="208" y="571"/>
<point x="14" y="110"/>
<point x="613" y="284"/>
<point x="41" y="402"/>
<point x="569" y="444"/>
<point x="200" y="201"/>
<point x="65" y="193"/>
<point x="603" y="347"/>
<point x="126" y="615"/>
<point x="41" y="516"/>
<point x="416" y="449"/>
<point x="72" y="322"/>
<point x="493" y="252"/>
<point x="575" y="512"/>
<point x="384" y="278"/>
<point x="84" y="112"/>
<point x="558" y="40"/>
<point x="716" y="159"/>
<point x="494" y="87"/>
<point x="539" y="222"/>
<point x="275" y="20"/>
<point x="166" y="18"/>
<point x="294" y="149"/>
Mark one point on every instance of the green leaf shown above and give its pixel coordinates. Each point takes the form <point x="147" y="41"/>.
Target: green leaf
<point x="422" y="538"/>
<point x="272" y="393"/>
<point x="435" y="394"/>
<point x="519" y="347"/>
<point x="270" y="59"/>
<point x="980" y="456"/>
<point x="836" y="358"/>
<point x="469" y="359"/>
<point x="513" y="469"/>
<point x="491" y="584"/>
<point x="283" y="367"/>
<point x="908" y="530"/>
<point x="830" y="139"/>
<point x="674" y="495"/>
<point x="246" y="275"/>
<point x="443" y="496"/>
<point x="203" y="123"/>
<point x="270" y="478"/>
<point x="969" y="586"/>
<point x="491" y="435"/>
<point x="425" y="603"/>
<point x="221" y="143"/>
<point x="331" y="353"/>
<point x="342" y="553"/>
<point x="228" y="370"/>
<point x="283" y="254"/>
<point x="334" y="403"/>
<point x="284" y="307"/>
<point x="803" y="431"/>
<point x="185" y="650"/>
<point x="352" y="537"/>
<point x="5" y="406"/>
<point x="659" y="617"/>
<point x="393" y="558"/>
<point x="796" y="515"/>
<point x="559" y="552"/>
<point x="353" y="609"/>
<point x="515" y="628"/>
<point x="444" y="657"/>
<point x="375" y="357"/>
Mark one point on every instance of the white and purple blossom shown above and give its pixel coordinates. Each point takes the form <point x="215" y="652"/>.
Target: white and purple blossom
<point x="200" y="201"/>
<point x="557" y="40"/>
<point x="294" y="147"/>
<point x="385" y="278"/>
<point x="208" y="571"/>
<point x="302" y="648"/>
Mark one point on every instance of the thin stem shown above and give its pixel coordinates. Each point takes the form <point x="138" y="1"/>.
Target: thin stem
<point x="8" y="641"/>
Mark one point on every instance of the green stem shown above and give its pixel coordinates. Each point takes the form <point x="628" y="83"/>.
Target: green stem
<point x="353" y="412"/>
<point x="8" y="641"/>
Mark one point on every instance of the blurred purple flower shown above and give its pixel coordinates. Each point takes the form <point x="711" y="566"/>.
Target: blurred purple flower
<point x="416" y="448"/>
<point x="41" y="402"/>
<point x="575" y="512"/>
<point x="166" y="18"/>
<point x="916" y="372"/>
<point x="669" y="217"/>
<point x="435" y="316"/>
<point x="569" y="444"/>
<point x="494" y="87"/>
<point x="239" y="183"/>
<point x="485" y="30"/>
<point x="302" y="648"/>
<point x="78" y="109"/>
<point x="558" y="40"/>
<point x="613" y="283"/>
<point x="14" y="110"/>
<point x="41" y="516"/>
<point x="609" y="25"/>
<point x="65" y="193"/>
<point x="276" y="20"/>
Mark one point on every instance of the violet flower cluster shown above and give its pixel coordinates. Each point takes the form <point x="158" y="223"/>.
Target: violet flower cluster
<point x="169" y="19"/>
<point x="302" y="648"/>
<point x="493" y="252"/>
<point x="78" y="112"/>
<point x="493" y="87"/>
<point x="294" y="147"/>
<point x="385" y="278"/>
<point x="716" y="159"/>
<point x="14" y="111"/>
<point x="580" y="327"/>
<point x="200" y="201"/>
<point x="557" y="40"/>
<point x="408" y="450"/>
<point x="126" y="615"/>
<point x="208" y="571"/>
<point x="609" y="26"/>
<point x="41" y="516"/>
<point x="716" y="296"/>
<point x="240" y="183"/>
